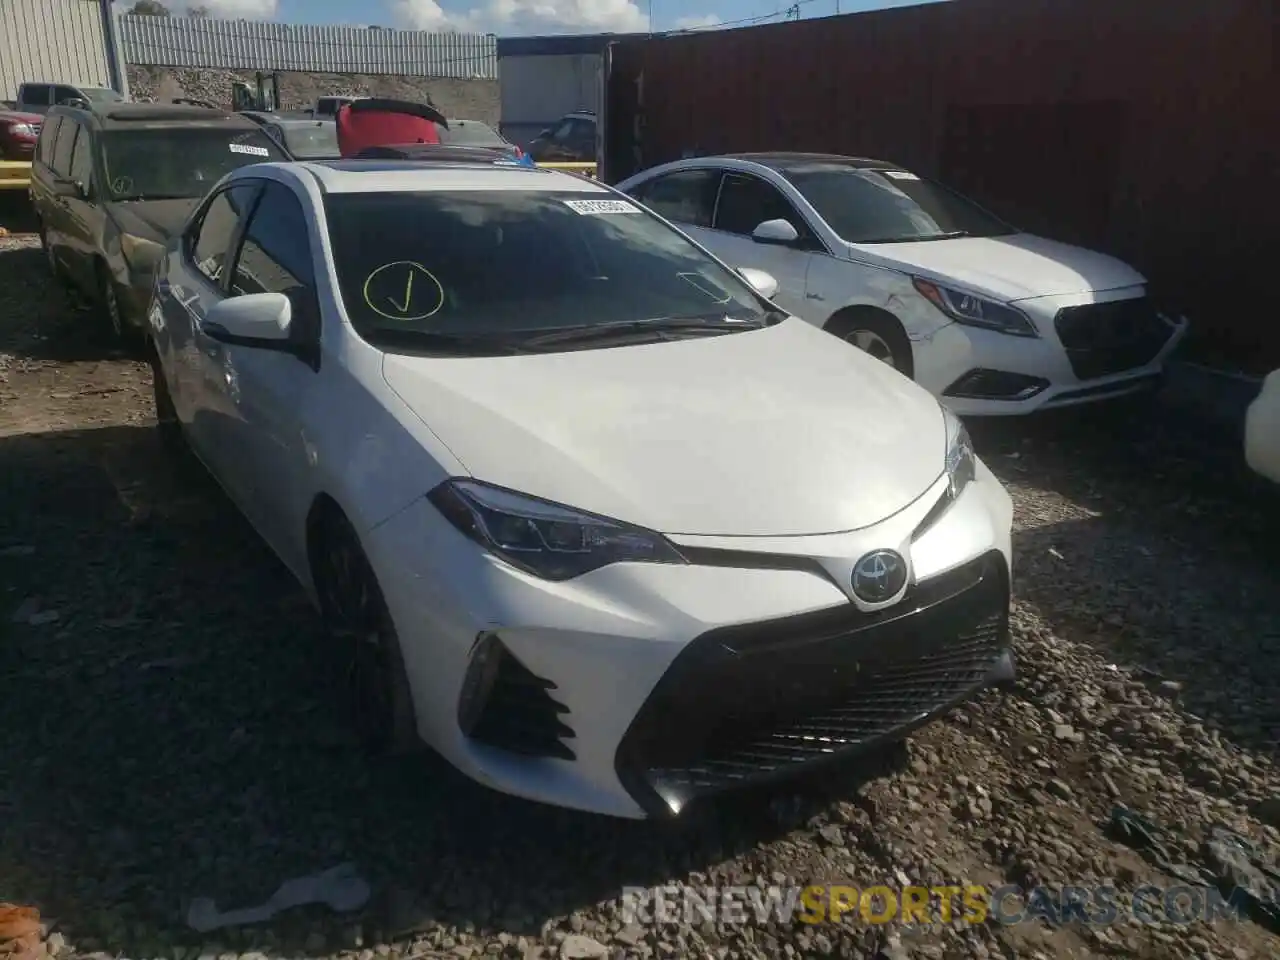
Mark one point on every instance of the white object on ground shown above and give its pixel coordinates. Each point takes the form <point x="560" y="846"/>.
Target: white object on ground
<point x="339" y="888"/>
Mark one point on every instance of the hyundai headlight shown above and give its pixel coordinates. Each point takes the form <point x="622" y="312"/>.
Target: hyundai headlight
<point x="973" y="311"/>
<point x="546" y="539"/>
<point x="962" y="462"/>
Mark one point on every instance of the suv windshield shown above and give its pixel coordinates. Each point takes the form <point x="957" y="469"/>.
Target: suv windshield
<point x="471" y="134"/>
<point x="865" y="205"/>
<point x="176" y="162"/>
<point x="101" y="95"/>
<point x="501" y="265"/>
<point x="312" y="141"/>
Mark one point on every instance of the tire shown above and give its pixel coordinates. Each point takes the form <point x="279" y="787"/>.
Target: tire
<point x="356" y="618"/>
<point x="112" y="310"/>
<point x="168" y="428"/>
<point x="50" y="260"/>
<point x="877" y="334"/>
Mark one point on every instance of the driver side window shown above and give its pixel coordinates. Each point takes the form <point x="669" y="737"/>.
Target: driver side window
<point x="210" y="238"/>
<point x="746" y="202"/>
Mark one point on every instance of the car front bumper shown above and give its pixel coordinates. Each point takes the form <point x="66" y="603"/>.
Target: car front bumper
<point x="637" y="688"/>
<point x="978" y="372"/>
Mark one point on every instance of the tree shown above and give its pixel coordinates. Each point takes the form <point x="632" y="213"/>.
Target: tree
<point x="149" y="8"/>
<point x="198" y="11"/>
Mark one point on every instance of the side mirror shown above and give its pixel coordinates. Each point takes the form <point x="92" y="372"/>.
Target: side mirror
<point x="70" y="190"/>
<point x="252" y="320"/>
<point x="778" y="232"/>
<point x="761" y="282"/>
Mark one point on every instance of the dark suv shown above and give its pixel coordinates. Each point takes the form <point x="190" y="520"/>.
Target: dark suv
<point x="111" y="184"/>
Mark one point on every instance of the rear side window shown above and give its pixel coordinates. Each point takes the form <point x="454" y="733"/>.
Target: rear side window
<point x="36" y="94"/>
<point x="686" y="196"/>
<point x="48" y="138"/>
<point x="64" y="146"/>
<point x="209" y="244"/>
<point x="276" y="254"/>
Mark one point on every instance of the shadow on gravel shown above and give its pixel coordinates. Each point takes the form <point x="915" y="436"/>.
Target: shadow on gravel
<point x="43" y="320"/>
<point x="173" y="729"/>
<point x="16" y="214"/>
<point x="1177" y="572"/>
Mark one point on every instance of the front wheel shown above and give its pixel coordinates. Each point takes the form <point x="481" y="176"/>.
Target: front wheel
<point x="356" y="617"/>
<point x="879" y="335"/>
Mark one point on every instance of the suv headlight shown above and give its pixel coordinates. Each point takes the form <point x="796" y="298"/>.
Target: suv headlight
<point x="142" y="254"/>
<point x="962" y="462"/>
<point x="546" y="539"/>
<point x="975" y="311"/>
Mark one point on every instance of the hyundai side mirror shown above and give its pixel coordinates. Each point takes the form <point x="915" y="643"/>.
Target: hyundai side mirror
<point x="760" y="281"/>
<point x="778" y="232"/>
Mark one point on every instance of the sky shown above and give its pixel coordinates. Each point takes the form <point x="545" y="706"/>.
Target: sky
<point x="523" y="17"/>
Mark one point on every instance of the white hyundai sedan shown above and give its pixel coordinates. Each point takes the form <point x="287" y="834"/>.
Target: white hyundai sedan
<point x="992" y="320"/>
<point x="594" y="519"/>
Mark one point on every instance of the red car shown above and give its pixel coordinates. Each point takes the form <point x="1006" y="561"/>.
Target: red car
<point x="18" y="135"/>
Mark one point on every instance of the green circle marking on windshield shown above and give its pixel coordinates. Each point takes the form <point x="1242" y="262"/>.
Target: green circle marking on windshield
<point x="403" y="290"/>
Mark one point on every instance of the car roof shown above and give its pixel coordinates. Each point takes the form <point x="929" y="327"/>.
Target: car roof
<point x="281" y="121"/>
<point x="119" y="116"/>
<point x="414" y="176"/>
<point x="782" y="161"/>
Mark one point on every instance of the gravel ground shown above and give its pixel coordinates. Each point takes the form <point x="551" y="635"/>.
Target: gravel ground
<point x="170" y="732"/>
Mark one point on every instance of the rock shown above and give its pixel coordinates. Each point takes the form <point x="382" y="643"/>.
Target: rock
<point x="1064" y="731"/>
<point x="577" y="947"/>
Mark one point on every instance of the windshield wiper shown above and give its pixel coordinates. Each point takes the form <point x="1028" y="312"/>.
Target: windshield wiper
<point x="626" y="329"/>
<point x="919" y="237"/>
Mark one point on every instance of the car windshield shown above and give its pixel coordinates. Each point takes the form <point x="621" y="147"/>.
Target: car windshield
<point x="416" y="268"/>
<point x="179" y="162"/>
<point x="866" y="205"/>
<point x="312" y="141"/>
<point x="101" y="95"/>
<point x="471" y="134"/>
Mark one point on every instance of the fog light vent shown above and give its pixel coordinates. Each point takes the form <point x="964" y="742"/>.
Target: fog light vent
<point x="983" y="384"/>
<point x="506" y="705"/>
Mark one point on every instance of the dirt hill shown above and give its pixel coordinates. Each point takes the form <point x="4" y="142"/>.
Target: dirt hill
<point x="466" y="99"/>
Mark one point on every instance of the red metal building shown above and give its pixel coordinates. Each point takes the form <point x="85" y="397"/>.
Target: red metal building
<point x="1146" y="128"/>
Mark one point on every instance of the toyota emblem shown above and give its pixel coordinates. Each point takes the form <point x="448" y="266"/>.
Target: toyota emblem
<point x="879" y="576"/>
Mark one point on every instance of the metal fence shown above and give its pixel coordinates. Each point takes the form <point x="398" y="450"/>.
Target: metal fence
<point x="196" y="42"/>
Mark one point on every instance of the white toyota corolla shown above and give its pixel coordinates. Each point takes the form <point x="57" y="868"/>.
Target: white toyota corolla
<point x="993" y="320"/>
<point x="596" y="520"/>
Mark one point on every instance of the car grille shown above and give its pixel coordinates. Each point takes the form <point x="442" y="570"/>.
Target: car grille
<point x="1106" y="338"/>
<point x="753" y="703"/>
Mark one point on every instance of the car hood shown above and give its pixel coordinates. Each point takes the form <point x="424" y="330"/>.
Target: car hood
<point x="1016" y="267"/>
<point x="20" y="116"/>
<point x="157" y="220"/>
<point x="776" y="432"/>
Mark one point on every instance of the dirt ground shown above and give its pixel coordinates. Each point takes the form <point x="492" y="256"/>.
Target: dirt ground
<point x="173" y="729"/>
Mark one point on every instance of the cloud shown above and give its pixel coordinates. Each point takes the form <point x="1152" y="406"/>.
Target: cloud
<point x="692" y="23"/>
<point x="508" y="17"/>
<point x="236" y="9"/>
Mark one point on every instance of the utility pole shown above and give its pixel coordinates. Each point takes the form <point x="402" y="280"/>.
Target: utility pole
<point x="793" y="12"/>
<point x="651" y="16"/>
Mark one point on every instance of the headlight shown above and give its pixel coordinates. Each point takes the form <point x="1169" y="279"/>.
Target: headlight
<point x="974" y="311"/>
<point x="546" y="539"/>
<point x="22" y="130"/>
<point x="962" y="462"/>
<point x="142" y="254"/>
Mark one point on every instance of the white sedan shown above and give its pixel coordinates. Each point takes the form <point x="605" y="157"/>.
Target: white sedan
<point x="992" y="320"/>
<point x="594" y="519"/>
<point x="1262" y="430"/>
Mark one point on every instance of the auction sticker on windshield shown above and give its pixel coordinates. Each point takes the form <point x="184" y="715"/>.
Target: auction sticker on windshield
<point x="251" y="151"/>
<point x="588" y="207"/>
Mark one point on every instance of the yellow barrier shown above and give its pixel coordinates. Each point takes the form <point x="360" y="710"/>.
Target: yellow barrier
<point x="14" y="175"/>
<point x="588" y="168"/>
